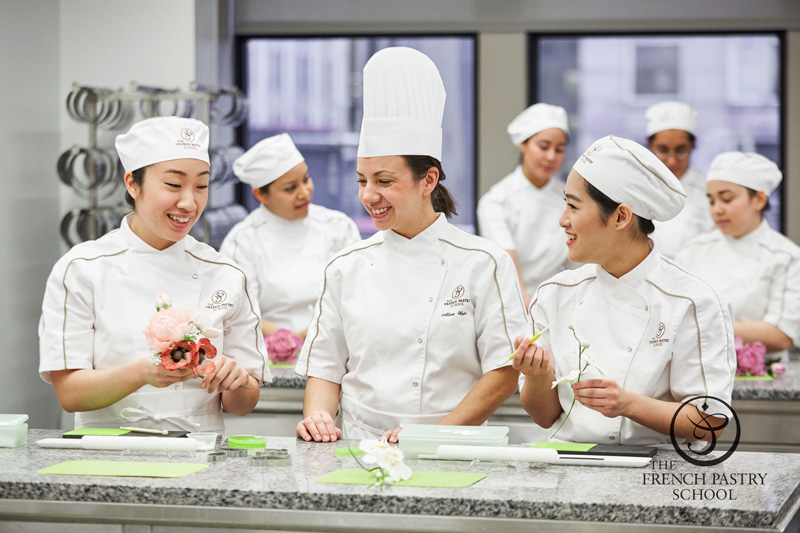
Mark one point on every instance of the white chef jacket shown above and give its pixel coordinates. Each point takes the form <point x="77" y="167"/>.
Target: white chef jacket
<point x="758" y="273"/>
<point x="693" y="220"/>
<point x="99" y="298"/>
<point x="409" y="326"/>
<point x="521" y="217"/>
<point x="657" y="331"/>
<point x="284" y="259"/>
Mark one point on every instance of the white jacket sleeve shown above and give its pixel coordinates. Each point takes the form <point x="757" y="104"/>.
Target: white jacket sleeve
<point x="324" y="354"/>
<point x="783" y="309"/>
<point x="492" y="223"/>
<point x="234" y="247"/>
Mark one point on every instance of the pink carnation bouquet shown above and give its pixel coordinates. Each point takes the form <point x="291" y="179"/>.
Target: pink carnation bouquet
<point x="178" y="338"/>
<point x="282" y="347"/>
<point x="751" y="360"/>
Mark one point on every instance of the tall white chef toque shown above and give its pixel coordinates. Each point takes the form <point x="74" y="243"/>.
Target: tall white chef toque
<point x="670" y="116"/>
<point x="403" y="105"/>
<point x="267" y="161"/>
<point x="158" y="139"/>
<point x="537" y="118"/>
<point x="627" y="172"/>
<point x="747" y="169"/>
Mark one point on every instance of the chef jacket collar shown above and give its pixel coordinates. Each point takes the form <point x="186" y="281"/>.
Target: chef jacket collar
<point x="753" y="238"/>
<point x="269" y="217"/>
<point x="427" y="237"/>
<point x="136" y="244"/>
<point x="554" y="184"/>
<point x="638" y="275"/>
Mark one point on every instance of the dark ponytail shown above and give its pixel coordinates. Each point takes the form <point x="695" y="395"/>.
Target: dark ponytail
<point x="440" y="197"/>
<point x="608" y="206"/>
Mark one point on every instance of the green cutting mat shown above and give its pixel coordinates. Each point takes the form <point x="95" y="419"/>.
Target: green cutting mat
<point x="123" y="468"/>
<point x="357" y="476"/>
<point x="99" y="432"/>
<point x="748" y="377"/>
<point x="347" y="451"/>
<point x="566" y="446"/>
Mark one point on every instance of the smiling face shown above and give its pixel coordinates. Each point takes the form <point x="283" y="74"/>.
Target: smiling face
<point x="542" y="155"/>
<point x="735" y="212"/>
<point x="590" y="236"/>
<point x="169" y="201"/>
<point x="290" y="195"/>
<point x="673" y="148"/>
<point x="393" y="197"/>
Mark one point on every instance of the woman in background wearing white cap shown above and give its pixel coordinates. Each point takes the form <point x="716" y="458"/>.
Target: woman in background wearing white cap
<point x="101" y="295"/>
<point x="754" y="266"/>
<point x="414" y="325"/>
<point x="285" y="243"/>
<point x="660" y="336"/>
<point x="521" y="211"/>
<point x="671" y="128"/>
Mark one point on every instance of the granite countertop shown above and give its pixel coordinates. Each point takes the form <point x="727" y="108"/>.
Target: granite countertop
<point x="785" y="387"/>
<point x="769" y="494"/>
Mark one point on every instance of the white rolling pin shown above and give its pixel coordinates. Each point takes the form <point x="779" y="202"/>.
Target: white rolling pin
<point x="165" y="444"/>
<point x="497" y="453"/>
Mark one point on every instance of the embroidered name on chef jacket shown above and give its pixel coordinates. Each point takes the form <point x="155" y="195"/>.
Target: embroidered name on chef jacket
<point x="658" y="339"/>
<point x="218" y="301"/>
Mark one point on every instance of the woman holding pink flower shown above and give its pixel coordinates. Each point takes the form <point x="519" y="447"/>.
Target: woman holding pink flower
<point x="756" y="268"/>
<point x="100" y="329"/>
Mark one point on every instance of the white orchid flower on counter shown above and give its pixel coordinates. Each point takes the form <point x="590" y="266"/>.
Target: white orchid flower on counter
<point x="388" y="458"/>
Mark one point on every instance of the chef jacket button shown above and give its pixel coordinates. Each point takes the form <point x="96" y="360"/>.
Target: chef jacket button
<point x="430" y="299"/>
<point x="442" y="262"/>
<point x="630" y="349"/>
<point x="419" y="340"/>
<point x="416" y="383"/>
<point x="611" y="437"/>
<point x="194" y="276"/>
<point x="646" y="308"/>
<point x="177" y="386"/>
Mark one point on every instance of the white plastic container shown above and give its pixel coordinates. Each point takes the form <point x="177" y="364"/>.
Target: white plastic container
<point x="421" y="441"/>
<point x="13" y="431"/>
<point x="206" y="441"/>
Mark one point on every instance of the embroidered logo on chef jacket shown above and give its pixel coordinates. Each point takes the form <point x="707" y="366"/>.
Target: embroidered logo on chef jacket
<point x="218" y="301"/>
<point x="458" y="292"/>
<point x="458" y="298"/>
<point x="658" y="339"/>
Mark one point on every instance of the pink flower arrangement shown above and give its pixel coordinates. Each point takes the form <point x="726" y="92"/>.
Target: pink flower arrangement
<point x="282" y="347"/>
<point x="751" y="359"/>
<point x="173" y="335"/>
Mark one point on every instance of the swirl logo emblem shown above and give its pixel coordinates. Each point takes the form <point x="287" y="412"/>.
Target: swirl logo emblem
<point x="218" y="297"/>
<point x="711" y="416"/>
<point x="187" y="135"/>
<point x="661" y="330"/>
<point x="458" y="292"/>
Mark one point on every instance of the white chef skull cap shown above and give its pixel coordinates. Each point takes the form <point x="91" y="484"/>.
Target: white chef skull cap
<point x="670" y="116"/>
<point x="747" y="169"/>
<point x="627" y="172"/>
<point x="403" y="105"/>
<point x="536" y="118"/>
<point x="158" y="139"/>
<point x="267" y="161"/>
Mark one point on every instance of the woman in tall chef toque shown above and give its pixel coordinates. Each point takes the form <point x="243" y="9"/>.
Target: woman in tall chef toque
<point x="521" y="211"/>
<point x="415" y="324"/>
<point x="754" y="266"/>
<point x="659" y="335"/>
<point x="101" y="295"/>
<point x="671" y="128"/>
<point x="285" y="243"/>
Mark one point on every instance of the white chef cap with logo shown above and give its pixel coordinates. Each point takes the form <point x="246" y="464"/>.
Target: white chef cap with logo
<point x="403" y="105"/>
<point x="627" y="172"/>
<point x="158" y="139"/>
<point x="537" y="118"/>
<point x="670" y="116"/>
<point x="267" y="161"/>
<point x="747" y="169"/>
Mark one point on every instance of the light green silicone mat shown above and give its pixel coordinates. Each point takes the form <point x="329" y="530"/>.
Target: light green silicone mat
<point x="357" y="476"/>
<point x="100" y="432"/>
<point x="347" y="451"/>
<point x="123" y="468"/>
<point x="566" y="446"/>
<point x="748" y="377"/>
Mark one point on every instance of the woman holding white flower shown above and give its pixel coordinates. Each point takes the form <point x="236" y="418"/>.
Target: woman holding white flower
<point x="764" y="287"/>
<point x="656" y="335"/>
<point x="415" y="324"/>
<point x="102" y="294"/>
